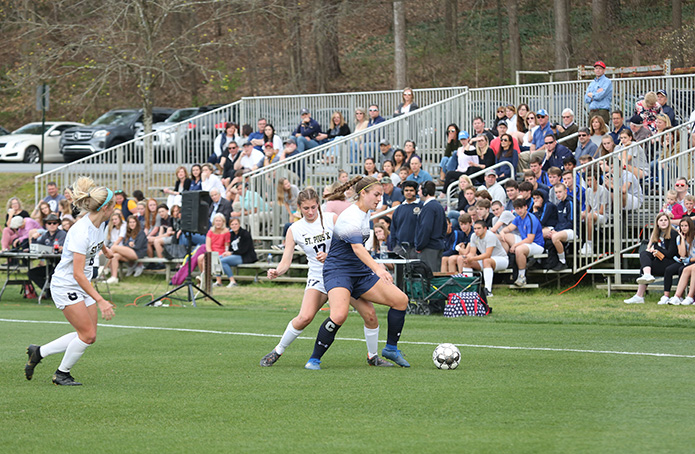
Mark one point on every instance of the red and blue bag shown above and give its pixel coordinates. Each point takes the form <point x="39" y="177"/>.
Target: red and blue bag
<point x="466" y="304"/>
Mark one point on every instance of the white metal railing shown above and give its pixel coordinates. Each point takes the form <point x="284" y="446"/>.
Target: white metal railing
<point x="453" y="188"/>
<point x="629" y="219"/>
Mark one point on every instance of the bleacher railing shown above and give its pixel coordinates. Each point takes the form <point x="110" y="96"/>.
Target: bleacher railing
<point x="635" y="180"/>
<point x="319" y="166"/>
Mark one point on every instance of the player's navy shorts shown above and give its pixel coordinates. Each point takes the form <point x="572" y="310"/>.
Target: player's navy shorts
<point x="357" y="285"/>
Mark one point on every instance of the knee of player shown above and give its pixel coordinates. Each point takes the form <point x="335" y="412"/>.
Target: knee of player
<point x="302" y="321"/>
<point x="400" y="301"/>
<point x="339" y="317"/>
<point x="88" y="337"/>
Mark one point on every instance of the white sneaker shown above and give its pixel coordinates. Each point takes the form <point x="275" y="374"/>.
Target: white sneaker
<point x="520" y="281"/>
<point x="138" y="270"/>
<point x="687" y="301"/>
<point x="674" y="301"/>
<point x="112" y="280"/>
<point x="665" y="300"/>
<point x="645" y="279"/>
<point x="232" y="284"/>
<point x="130" y="270"/>
<point x="634" y="300"/>
<point x="586" y="249"/>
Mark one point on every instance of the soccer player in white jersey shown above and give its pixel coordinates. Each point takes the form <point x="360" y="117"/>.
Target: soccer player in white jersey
<point x="313" y="233"/>
<point x="71" y="288"/>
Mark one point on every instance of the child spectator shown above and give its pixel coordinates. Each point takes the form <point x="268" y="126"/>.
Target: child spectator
<point x="658" y="256"/>
<point x="598" y="201"/>
<point x="485" y="252"/>
<point x="528" y="240"/>
<point x="672" y="207"/>
<point x="564" y="229"/>
<point x="689" y="203"/>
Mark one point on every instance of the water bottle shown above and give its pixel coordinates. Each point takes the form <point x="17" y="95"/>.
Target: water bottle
<point x="270" y="258"/>
<point x="56" y="247"/>
<point x="383" y="252"/>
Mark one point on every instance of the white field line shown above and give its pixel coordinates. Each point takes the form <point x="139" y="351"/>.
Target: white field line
<point x="234" y="333"/>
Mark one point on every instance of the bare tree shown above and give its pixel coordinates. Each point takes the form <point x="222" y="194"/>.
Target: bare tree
<point x="500" y="45"/>
<point x="515" y="63"/>
<point x="677" y="24"/>
<point x="326" y="40"/>
<point x="451" y="24"/>
<point x="563" y="40"/>
<point x="399" y="38"/>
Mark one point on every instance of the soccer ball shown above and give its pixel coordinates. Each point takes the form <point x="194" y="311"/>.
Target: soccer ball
<point x="446" y="356"/>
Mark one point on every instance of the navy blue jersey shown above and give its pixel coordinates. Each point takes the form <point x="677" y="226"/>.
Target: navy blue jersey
<point x="403" y="224"/>
<point x="352" y="227"/>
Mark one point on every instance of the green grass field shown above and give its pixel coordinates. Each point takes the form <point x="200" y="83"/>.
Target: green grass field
<point x="536" y="376"/>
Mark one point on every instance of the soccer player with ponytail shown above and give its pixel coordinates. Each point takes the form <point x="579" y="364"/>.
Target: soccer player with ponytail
<point x="313" y="232"/>
<point x="350" y="272"/>
<point x="71" y="288"/>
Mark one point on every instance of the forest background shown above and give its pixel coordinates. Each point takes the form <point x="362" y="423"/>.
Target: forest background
<point x="97" y="56"/>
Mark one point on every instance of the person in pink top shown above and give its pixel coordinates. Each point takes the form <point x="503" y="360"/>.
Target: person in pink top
<point x="17" y="232"/>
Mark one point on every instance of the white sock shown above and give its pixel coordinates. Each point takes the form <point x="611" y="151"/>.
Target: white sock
<point x="487" y="278"/>
<point x="72" y="354"/>
<point x="57" y="346"/>
<point x="522" y="273"/>
<point x="589" y="243"/>
<point x="561" y="257"/>
<point x="372" y="338"/>
<point x="288" y="337"/>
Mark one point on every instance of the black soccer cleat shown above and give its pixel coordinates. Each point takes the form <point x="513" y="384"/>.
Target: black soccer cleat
<point x="34" y="353"/>
<point x="64" y="379"/>
<point x="376" y="361"/>
<point x="269" y="359"/>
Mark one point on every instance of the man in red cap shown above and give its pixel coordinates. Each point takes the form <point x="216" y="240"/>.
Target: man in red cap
<point x="599" y="93"/>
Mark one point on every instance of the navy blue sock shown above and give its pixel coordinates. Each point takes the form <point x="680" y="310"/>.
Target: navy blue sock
<point x="396" y="321"/>
<point x="325" y="338"/>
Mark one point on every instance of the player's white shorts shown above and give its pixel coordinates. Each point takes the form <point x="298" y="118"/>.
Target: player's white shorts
<point x="67" y="296"/>
<point x="315" y="284"/>
<point x="534" y="249"/>
<point x="501" y="263"/>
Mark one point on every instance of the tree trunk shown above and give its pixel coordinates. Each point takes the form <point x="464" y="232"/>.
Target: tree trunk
<point x="294" y="36"/>
<point x="325" y="31"/>
<point x="599" y="21"/>
<point x="677" y="22"/>
<point x="563" y="41"/>
<point x="400" y="56"/>
<point x="514" y="38"/>
<point x="451" y="25"/>
<point x="613" y="11"/>
<point x="500" y="45"/>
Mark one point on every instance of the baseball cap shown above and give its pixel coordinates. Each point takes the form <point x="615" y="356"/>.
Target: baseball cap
<point x="542" y="112"/>
<point x="268" y="144"/>
<point x="290" y="140"/>
<point x="385" y="180"/>
<point x="601" y="64"/>
<point x="636" y="119"/>
<point x="662" y="92"/>
<point x="490" y="172"/>
<point x="16" y="222"/>
<point x="464" y="135"/>
<point x="384" y="142"/>
<point x="248" y="144"/>
<point x="502" y="122"/>
<point x="52" y="218"/>
<point x="304" y="111"/>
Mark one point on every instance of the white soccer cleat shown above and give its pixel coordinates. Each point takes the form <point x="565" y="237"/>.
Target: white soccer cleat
<point x="112" y="280"/>
<point x="634" y="300"/>
<point x="687" y="301"/>
<point x="646" y="279"/>
<point x="664" y="300"/>
<point x="674" y="301"/>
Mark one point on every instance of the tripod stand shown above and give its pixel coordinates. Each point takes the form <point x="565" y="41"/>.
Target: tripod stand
<point x="188" y="283"/>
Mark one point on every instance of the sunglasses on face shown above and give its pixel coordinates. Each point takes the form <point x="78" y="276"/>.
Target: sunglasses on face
<point x="680" y="185"/>
<point x="374" y="110"/>
<point x="541" y="116"/>
<point x="451" y="130"/>
<point x="582" y="135"/>
<point x="56" y="222"/>
<point x="504" y="140"/>
<point x="549" y="143"/>
<point x="567" y="116"/>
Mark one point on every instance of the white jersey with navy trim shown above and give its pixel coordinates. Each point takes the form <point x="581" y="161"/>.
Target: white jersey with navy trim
<point x="82" y="238"/>
<point x="314" y="238"/>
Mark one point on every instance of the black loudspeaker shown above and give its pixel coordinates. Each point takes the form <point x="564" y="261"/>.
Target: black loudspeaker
<point x="194" y="211"/>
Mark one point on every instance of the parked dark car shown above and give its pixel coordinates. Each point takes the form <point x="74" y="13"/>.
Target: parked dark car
<point x="113" y="128"/>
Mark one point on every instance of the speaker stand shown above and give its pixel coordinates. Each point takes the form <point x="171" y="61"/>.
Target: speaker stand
<point x="188" y="282"/>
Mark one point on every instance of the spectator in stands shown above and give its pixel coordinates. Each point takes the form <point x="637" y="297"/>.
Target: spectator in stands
<point x="465" y="227"/>
<point x="404" y="221"/>
<point x="479" y="128"/>
<point x="269" y="136"/>
<point x="499" y="116"/>
<point x="511" y="119"/>
<point x="486" y="157"/>
<point x="657" y="257"/>
<point x="338" y="127"/>
<point x="522" y="111"/>
<point x="455" y="239"/>
<point x="461" y="160"/>
<point x="164" y="222"/>
<point x="409" y="150"/>
<point x="361" y="123"/>
<point x="392" y="196"/>
<point x="564" y="229"/>
<point x="385" y="151"/>
<point x="527" y="241"/>
<point x="629" y="187"/>
<point x="511" y="187"/>
<point x="210" y="180"/>
<point x="598" y="202"/>
<point x="482" y="209"/>
<point x="662" y="98"/>
<point x="66" y="223"/>
<point x="618" y="126"/>
<point x="369" y="169"/>
<point x="65" y="209"/>
<point x="250" y="159"/>
<point x="241" y="248"/>
<point x="525" y="190"/>
<point x="53" y="197"/>
<point x="672" y="207"/>
<point x="660" y="147"/>
<point x="452" y="145"/>
<point x="183" y="183"/>
<point x="256" y="137"/>
<point x="16" y="234"/>
<point x="308" y="133"/>
<point x="171" y="233"/>
<point x="585" y="146"/>
<point x="244" y="136"/>
<point x="216" y="240"/>
<point x="567" y="128"/>
<point x="598" y="129"/>
<point x="335" y="201"/>
<point x="648" y="108"/>
<point x="537" y="144"/>
<point x="554" y="153"/>
<point x="571" y="186"/>
<point x="497" y="141"/>
<point x="272" y="155"/>
<point x="526" y="138"/>
<point x="387" y="170"/>
<point x="507" y="153"/>
<point x="502" y="219"/>
<point x="408" y="104"/>
<point x="531" y="178"/>
<point x="681" y="188"/>
<point x="196" y="178"/>
<point x="419" y="175"/>
<point x="485" y="253"/>
<point x="219" y="205"/>
<point x="287" y="196"/>
<point x="633" y="158"/>
<point x="372" y="139"/>
<point x="607" y="145"/>
<point x="689" y="204"/>
<point x="466" y="198"/>
<point x="541" y="176"/>
<point x="222" y="142"/>
<point x="495" y="189"/>
<point x="249" y="201"/>
<point x="403" y="174"/>
<point x="138" y="195"/>
<point x="134" y="247"/>
<point x="683" y="266"/>
<point x="599" y="93"/>
<point x="52" y="237"/>
<point x="14" y="208"/>
<point x="398" y="159"/>
<point x="545" y="211"/>
<point x="639" y="132"/>
<point x="41" y="212"/>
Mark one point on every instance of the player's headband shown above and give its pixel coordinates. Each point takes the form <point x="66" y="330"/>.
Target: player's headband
<point x="109" y="196"/>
